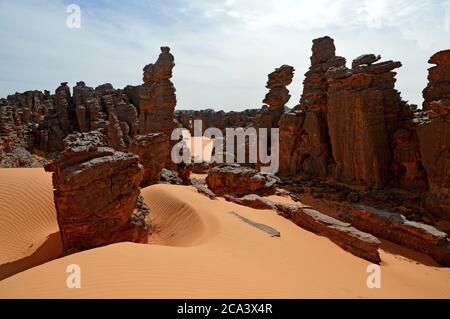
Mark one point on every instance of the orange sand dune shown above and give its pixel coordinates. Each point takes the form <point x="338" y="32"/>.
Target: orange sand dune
<point x="29" y="233"/>
<point x="200" y="250"/>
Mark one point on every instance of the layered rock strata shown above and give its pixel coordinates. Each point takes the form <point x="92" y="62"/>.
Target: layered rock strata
<point x="304" y="141"/>
<point x="434" y="136"/>
<point x="97" y="194"/>
<point x="238" y="180"/>
<point x="396" y="228"/>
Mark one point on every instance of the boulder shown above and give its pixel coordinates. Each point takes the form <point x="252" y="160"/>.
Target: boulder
<point x="152" y="149"/>
<point x="97" y="194"/>
<point x="396" y="228"/>
<point x="252" y="200"/>
<point x="343" y="234"/>
<point x="238" y="180"/>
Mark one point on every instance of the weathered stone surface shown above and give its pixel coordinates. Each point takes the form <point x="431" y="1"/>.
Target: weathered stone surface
<point x="45" y="120"/>
<point x="438" y="87"/>
<point x="153" y="150"/>
<point x="252" y="200"/>
<point x="434" y="137"/>
<point x="278" y="95"/>
<point x="96" y="193"/>
<point x="218" y="119"/>
<point x="396" y="228"/>
<point x="200" y="168"/>
<point x="343" y="234"/>
<point x="157" y="98"/>
<point x="364" y="107"/>
<point x="304" y="141"/>
<point x="205" y="191"/>
<point x="265" y="228"/>
<point x="170" y="177"/>
<point x="238" y="180"/>
<point x="365" y="59"/>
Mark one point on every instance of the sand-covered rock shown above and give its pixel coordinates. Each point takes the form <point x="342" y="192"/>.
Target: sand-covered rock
<point x="238" y="180"/>
<point x="97" y="194"/>
<point x="153" y="150"/>
<point x="252" y="200"/>
<point x="396" y="228"/>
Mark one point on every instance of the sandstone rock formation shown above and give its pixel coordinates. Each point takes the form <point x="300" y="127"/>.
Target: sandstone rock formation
<point x="343" y="234"/>
<point x="237" y="180"/>
<point x="438" y="79"/>
<point x="277" y="97"/>
<point x="304" y="140"/>
<point x="252" y="200"/>
<point x="364" y="107"/>
<point x="37" y="123"/>
<point x="278" y="94"/>
<point x="358" y="243"/>
<point x="153" y="150"/>
<point x="357" y="108"/>
<point x="157" y="98"/>
<point x="434" y="136"/>
<point x="219" y="119"/>
<point x="398" y="229"/>
<point x="97" y="194"/>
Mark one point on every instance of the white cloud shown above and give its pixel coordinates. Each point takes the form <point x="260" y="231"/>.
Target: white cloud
<point x="223" y="49"/>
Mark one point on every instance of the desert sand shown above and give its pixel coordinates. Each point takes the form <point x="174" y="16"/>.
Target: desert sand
<point x="198" y="250"/>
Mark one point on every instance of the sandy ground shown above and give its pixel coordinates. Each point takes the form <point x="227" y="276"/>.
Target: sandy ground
<point x="199" y="250"/>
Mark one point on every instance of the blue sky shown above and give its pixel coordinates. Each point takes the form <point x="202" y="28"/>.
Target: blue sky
<point x="223" y="49"/>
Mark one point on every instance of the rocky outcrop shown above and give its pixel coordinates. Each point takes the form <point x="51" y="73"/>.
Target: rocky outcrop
<point x="278" y="94"/>
<point x="438" y="87"/>
<point x="434" y="136"/>
<point x="252" y="200"/>
<point x="304" y="140"/>
<point x="42" y="120"/>
<point x="396" y="228"/>
<point x="237" y="180"/>
<point x="153" y="150"/>
<point x="343" y="234"/>
<point x="218" y="119"/>
<point x="97" y="194"/>
<point x="275" y="102"/>
<point x="364" y="107"/>
<point x="157" y="98"/>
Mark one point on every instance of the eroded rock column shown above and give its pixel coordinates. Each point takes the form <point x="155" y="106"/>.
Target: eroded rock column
<point x="97" y="194"/>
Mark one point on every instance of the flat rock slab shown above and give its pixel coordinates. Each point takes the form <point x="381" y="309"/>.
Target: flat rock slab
<point x="267" y="229"/>
<point x="252" y="200"/>
<point x="205" y="191"/>
<point x="357" y="242"/>
<point x="239" y="180"/>
<point x="343" y="234"/>
<point x="396" y="228"/>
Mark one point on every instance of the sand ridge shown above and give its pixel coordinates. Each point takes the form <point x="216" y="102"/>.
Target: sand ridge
<point x="200" y="250"/>
<point x="29" y="231"/>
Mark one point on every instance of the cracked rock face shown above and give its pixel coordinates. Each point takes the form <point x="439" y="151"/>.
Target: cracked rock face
<point x="239" y="180"/>
<point x="277" y="81"/>
<point x="304" y="140"/>
<point x="157" y="98"/>
<point x="434" y="135"/>
<point x="97" y="194"/>
<point x="396" y="228"/>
